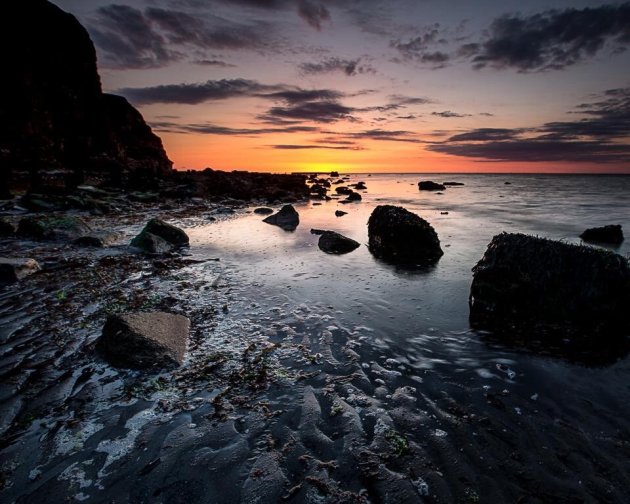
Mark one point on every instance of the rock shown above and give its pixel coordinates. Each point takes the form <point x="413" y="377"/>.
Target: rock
<point x="335" y="243"/>
<point x="144" y="340"/>
<point x="401" y="237"/>
<point x="525" y="284"/>
<point x="353" y="196"/>
<point x="360" y="186"/>
<point x="607" y="234"/>
<point x="57" y="126"/>
<point x="340" y="213"/>
<point x="159" y="237"/>
<point x="429" y="185"/>
<point x="334" y="174"/>
<point x="263" y="211"/>
<point x="6" y="228"/>
<point x="287" y="218"/>
<point x="53" y="228"/>
<point x="452" y="183"/>
<point x="507" y="183"/>
<point x="443" y="213"/>
<point x="14" y="269"/>
<point x="343" y="190"/>
<point x="99" y="238"/>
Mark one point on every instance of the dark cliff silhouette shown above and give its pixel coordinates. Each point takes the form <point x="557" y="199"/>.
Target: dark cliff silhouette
<point x="54" y="117"/>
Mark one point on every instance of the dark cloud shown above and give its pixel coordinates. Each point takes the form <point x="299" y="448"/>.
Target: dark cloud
<point x="485" y="134"/>
<point x="408" y="100"/>
<point x="602" y="136"/>
<point x="130" y="38"/>
<point x="217" y="63"/>
<point x="551" y="40"/>
<point x="314" y="14"/>
<point x="300" y="147"/>
<point x="422" y="48"/>
<point x="376" y="134"/>
<point x="192" y="94"/>
<point x="296" y="95"/>
<point x="537" y="150"/>
<point x="317" y="111"/>
<point x="213" y="129"/>
<point x="449" y="114"/>
<point x="350" y="67"/>
<point x="127" y="39"/>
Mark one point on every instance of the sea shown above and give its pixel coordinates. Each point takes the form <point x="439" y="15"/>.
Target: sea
<point x="375" y="387"/>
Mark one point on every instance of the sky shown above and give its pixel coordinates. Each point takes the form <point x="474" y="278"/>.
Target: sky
<point x="373" y="85"/>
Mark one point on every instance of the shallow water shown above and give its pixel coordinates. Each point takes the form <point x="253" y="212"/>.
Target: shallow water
<point x="377" y="390"/>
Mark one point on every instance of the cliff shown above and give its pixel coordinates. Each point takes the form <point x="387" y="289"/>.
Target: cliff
<point x="56" y="124"/>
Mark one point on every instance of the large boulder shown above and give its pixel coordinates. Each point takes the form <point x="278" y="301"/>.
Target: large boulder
<point x="402" y="237"/>
<point x="526" y="284"/>
<point x="159" y="237"/>
<point x="287" y="218"/>
<point x="56" y="125"/>
<point x="334" y="243"/>
<point x="429" y="185"/>
<point x="14" y="269"/>
<point x="144" y="339"/>
<point x="66" y="228"/>
<point x="611" y="234"/>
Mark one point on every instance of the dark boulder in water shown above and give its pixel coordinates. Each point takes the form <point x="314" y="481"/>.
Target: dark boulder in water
<point x="429" y="185"/>
<point x="402" y="237"/>
<point x="287" y="218"/>
<point x="343" y="190"/>
<point x="145" y="340"/>
<point x="335" y="243"/>
<point x="532" y="286"/>
<point x="607" y="234"/>
<point x="159" y="237"/>
<point x="453" y="183"/>
<point x="340" y="213"/>
<point x="353" y="196"/>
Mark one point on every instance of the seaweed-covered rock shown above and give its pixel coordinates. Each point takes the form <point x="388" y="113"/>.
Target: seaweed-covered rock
<point x="144" y="340"/>
<point x="159" y="237"/>
<point x="399" y="236"/>
<point x="429" y="185"/>
<point x="287" y="218"/>
<point x="612" y="234"/>
<point x="14" y="269"/>
<point x="524" y="283"/>
<point x="6" y="228"/>
<point x="100" y="238"/>
<point x="66" y="228"/>
<point x="334" y="243"/>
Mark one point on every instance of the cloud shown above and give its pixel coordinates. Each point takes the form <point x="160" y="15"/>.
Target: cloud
<point x="421" y="48"/>
<point x="403" y="100"/>
<point x="350" y="67"/>
<point x="313" y="14"/>
<point x="213" y="129"/>
<point x="297" y="95"/>
<point x="551" y="40"/>
<point x="217" y="63"/>
<point x="130" y="38"/>
<point x="602" y="136"/>
<point x="317" y="111"/>
<point x="301" y="147"/>
<point x="448" y="114"/>
<point x="192" y="94"/>
<point x="127" y="39"/>
<point x="376" y="134"/>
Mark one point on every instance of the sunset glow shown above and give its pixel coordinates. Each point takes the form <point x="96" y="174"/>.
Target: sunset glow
<point x="373" y="86"/>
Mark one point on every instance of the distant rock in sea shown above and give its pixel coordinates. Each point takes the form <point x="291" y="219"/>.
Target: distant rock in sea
<point x="453" y="183"/>
<point x="611" y="234"/>
<point x="55" y="121"/>
<point x="287" y="218"/>
<point x="401" y="237"/>
<point x="525" y="285"/>
<point x="429" y="185"/>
